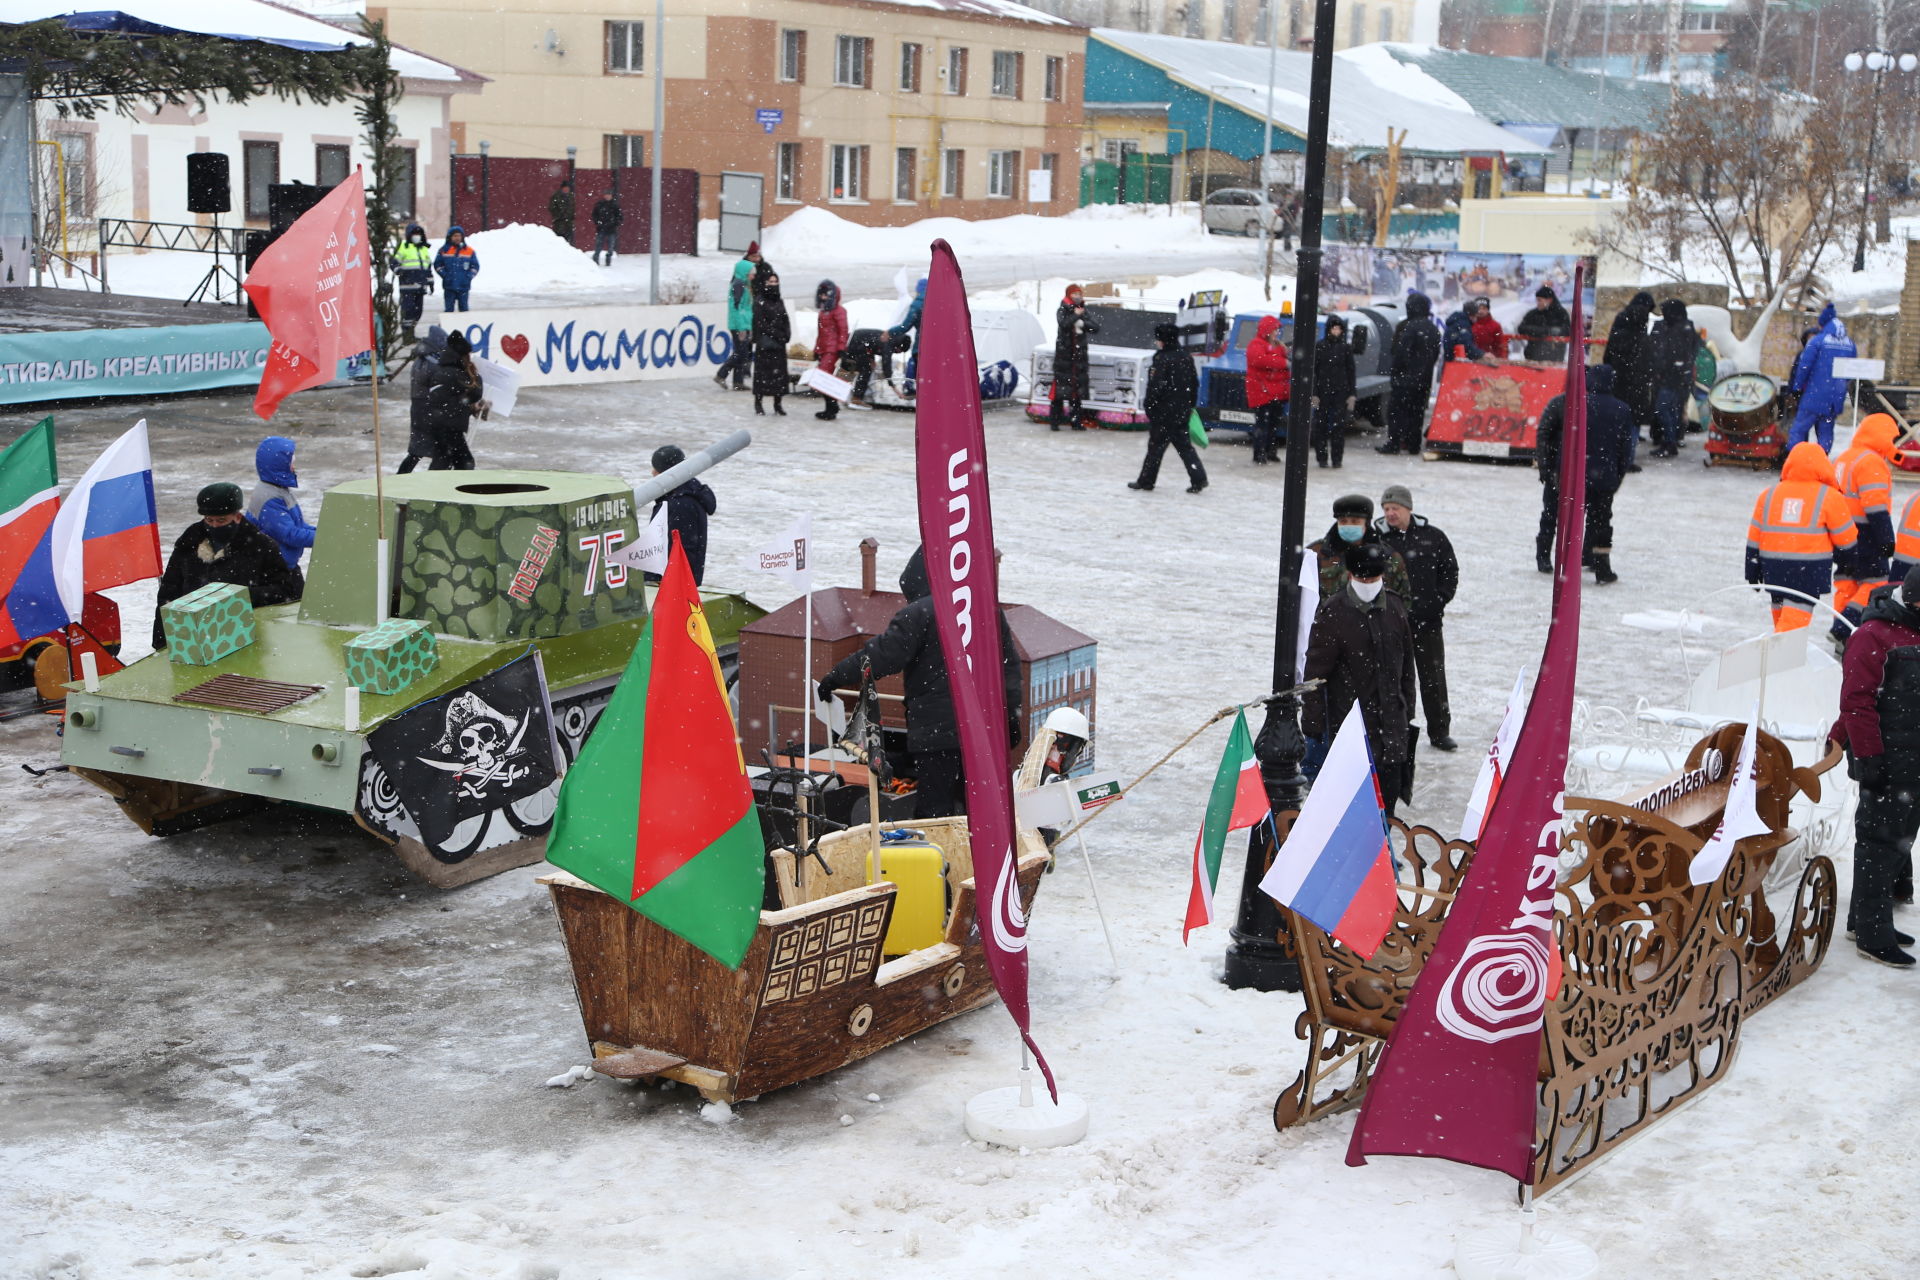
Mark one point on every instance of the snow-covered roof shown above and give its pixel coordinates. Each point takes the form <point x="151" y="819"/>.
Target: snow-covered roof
<point x="1370" y="94"/>
<point x="227" y="19"/>
<point x="1510" y="91"/>
<point x="1005" y="9"/>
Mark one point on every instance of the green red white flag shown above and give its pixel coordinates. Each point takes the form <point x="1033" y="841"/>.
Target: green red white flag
<point x="1239" y="800"/>
<point x="657" y="810"/>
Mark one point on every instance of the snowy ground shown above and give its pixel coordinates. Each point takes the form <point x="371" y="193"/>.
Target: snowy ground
<point x="262" y="1050"/>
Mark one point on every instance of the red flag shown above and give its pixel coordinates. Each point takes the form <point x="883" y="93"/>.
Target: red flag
<point x="314" y="290"/>
<point x="956" y="532"/>
<point x="1458" y="1078"/>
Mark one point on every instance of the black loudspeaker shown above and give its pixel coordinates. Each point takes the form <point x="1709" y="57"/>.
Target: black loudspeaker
<point x="256" y="244"/>
<point x="209" y="185"/>
<point x="286" y="201"/>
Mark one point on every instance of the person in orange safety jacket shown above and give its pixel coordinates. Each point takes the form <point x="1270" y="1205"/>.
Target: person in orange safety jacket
<point x="1906" y="542"/>
<point x="1866" y="482"/>
<point x="1800" y="527"/>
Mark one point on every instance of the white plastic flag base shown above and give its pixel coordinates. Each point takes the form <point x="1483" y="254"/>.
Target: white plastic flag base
<point x="1023" y="1116"/>
<point x="1528" y="1254"/>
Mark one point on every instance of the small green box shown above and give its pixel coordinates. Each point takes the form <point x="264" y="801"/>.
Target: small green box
<point x="206" y="625"/>
<point x="391" y="656"/>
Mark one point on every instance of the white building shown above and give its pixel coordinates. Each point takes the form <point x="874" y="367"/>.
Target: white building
<point x="134" y="166"/>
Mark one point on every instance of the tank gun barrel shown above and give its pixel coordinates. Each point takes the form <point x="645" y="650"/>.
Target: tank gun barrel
<point x="681" y="472"/>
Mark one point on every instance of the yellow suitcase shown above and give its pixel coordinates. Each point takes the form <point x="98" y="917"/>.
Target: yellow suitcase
<point x="918" y="871"/>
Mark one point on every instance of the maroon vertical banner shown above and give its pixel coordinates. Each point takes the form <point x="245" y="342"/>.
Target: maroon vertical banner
<point x="1458" y="1078"/>
<point x="956" y="533"/>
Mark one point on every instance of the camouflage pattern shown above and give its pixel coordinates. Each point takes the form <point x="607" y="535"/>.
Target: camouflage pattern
<point x="521" y="572"/>
<point x="207" y="625"/>
<point x="392" y="656"/>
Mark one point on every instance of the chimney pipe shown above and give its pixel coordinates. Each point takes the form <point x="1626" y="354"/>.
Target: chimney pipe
<point x="869" y="554"/>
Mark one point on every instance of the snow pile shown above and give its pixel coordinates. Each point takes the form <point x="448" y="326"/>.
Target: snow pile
<point x="816" y="235"/>
<point x="1403" y="78"/>
<point x="523" y="258"/>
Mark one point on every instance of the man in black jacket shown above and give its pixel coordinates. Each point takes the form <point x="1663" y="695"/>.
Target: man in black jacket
<point x="607" y="215"/>
<point x="1416" y="351"/>
<point x="910" y="646"/>
<point x="1173" y="388"/>
<point x="1362" y="647"/>
<point x="1334" y="382"/>
<point x="223" y="546"/>
<point x="448" y="398"/>
<point x="688" y="507"/>
<point x="1610" y="436"/>
<point x="1433" y="574"/>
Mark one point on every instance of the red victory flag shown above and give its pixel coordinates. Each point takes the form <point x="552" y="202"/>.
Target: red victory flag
<point x="1458" y="1078"/>
<point x="314" y="290"/>
<point x="956" y="531"/>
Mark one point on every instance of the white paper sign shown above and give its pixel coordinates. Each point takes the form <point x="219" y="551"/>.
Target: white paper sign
<point x="827" y="385"/>
<point x="790" y="556"/>
<point x="1860" y="368"/>
<point x="498" y="384"/>
<point x="649" y="553"/>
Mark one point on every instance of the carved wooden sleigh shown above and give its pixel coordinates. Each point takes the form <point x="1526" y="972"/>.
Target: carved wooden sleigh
<point x="1659" y="975"/>
<point x="814" y="991"/>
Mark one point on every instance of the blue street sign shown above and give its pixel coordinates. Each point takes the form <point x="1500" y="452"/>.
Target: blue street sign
<point x="769" y="118"/>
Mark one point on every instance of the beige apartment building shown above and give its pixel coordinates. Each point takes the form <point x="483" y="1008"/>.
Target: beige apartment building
<point x="883" y="112"/>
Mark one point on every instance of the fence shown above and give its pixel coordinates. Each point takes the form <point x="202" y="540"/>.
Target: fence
<point x="1138" y="178"/>
<point x="492" y="191"/>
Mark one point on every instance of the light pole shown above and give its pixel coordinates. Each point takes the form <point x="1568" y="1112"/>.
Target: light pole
<point x="1256" y="959"/>
<point x="484" y="147"/>
<point x="1878" y="61"/>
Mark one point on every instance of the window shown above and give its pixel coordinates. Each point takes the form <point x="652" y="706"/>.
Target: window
<point x="1056" y="85"/>
<point x="400" y="196"/>
<point x="1114" y="149"/>
<point x="1386" y="24"/>
<point x="1714" y="21"/>
<point x="852" y="61"/>
<point x="1195" y="13"/>
<point x="260" y="162"/>
<point x="1006" y="74"/>
<point x="626" y="150"/>
<point x="1357" y="25"/>
<point x="793" y="55"/>
<point x="957" y="71"/>
<point x="330" y="165"/>
<point x="1262" y="17"/>
<point x="786" y="172"/>
<point x="76" y="162"/>
<point x="626" y="47"/>
<point x="906" y="166"/>
<point x="953" y="168"/>
<point x="1003" y="170"/>
<point x="849" y="173"/>
<point x="1229" y="20"/>
<point x="909" y="68"/>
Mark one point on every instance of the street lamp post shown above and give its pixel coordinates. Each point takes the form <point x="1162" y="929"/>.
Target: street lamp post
<point x="1256" y="959"/>
<point x="1878" y="61"/>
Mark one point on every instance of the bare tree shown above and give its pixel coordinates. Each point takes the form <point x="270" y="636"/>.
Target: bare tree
<point x="1760" y="184"/>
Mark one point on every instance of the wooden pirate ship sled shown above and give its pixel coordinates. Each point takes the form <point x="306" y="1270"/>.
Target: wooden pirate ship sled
<point x="818" y="988"/>
<point x="1660" y="975"/>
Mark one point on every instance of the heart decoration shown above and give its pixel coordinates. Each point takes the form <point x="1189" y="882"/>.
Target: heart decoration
<point x="515" y="345"/>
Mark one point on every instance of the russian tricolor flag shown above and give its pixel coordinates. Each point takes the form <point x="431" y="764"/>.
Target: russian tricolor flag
<point x="1336" y="868"/>
<point x="108" y="532"/>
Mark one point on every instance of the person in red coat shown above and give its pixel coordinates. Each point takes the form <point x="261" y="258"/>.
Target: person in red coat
<point x="1269" y="382"/>
<point x="1488" y="333"/>
<point x="1879" y="726"/>
<point x="831" y="342"/>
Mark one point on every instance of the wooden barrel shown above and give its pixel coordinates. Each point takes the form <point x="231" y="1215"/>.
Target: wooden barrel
<point x="1744" y="404"/>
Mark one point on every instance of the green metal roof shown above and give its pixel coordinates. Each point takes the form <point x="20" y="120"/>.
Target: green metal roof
<point x="1522" y="91"/>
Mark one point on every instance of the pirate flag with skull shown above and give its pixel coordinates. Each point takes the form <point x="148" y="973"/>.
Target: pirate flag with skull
<point x="481" y="748"/>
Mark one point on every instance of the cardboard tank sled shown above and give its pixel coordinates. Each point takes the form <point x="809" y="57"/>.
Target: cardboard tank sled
<point x="420" y="725"/>
<point x="1659" y="975"/>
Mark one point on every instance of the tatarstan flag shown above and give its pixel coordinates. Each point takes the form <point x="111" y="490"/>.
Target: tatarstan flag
<point x="657" y="810"/>
<point x="1239" y="800"/>
<point x="29" y="499"/>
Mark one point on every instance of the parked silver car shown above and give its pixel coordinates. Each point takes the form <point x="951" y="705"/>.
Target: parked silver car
<point x="1239" y="211"/>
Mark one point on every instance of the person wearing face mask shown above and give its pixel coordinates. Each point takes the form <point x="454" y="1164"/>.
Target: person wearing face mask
<point x="1361" y="648"/>
<point x="412" y="264"/>
<point x="771" y="332"/>
<point x="222" y="546"/>
<point x="1352" y="524"/>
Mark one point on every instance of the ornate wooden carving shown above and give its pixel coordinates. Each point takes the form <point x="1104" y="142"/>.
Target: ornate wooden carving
<point x="1660" y="975"/>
